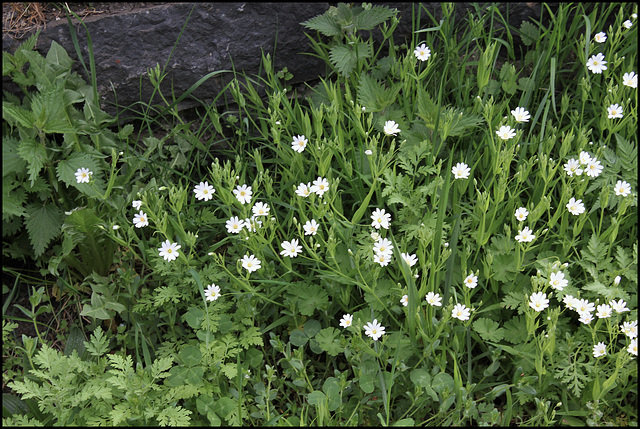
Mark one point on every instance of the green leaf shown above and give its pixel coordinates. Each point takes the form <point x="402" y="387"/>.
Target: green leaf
<point x="13" y="199"/>
<point x="298" y="338"/>
<point x="316" y="398"/>
<point x="35" y="154"/>
<point x="98" y="344"/>
<point x="11" y="161"/>
<point x="331" y="387"/>
<point x="58" y="56"/>
<point x="190" y="356"/>
<point x="311" y="298"/>
<point x="326" y="24"/>
<point x="43" y="224"/>
<point x="14" y="114"/>
<point x="251" y="336"/>
<point x="515" y="329"/>
<point x="369" y="19"/>
<point x="346" y="57"/>
<point x="66" y="171"/>
<point x="529" y="33"/>
<point x="488" y="329"/>
<point x="373" y="95"/>
<point x="328" y="341"/>
<point x="441" y="382"/>
<point x="420" y="378"/>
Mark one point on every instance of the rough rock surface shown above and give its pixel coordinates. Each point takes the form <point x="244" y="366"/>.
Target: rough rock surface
<point x="218" y="36"/>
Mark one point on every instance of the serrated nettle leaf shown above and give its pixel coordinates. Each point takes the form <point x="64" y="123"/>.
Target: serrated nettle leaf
<point x="43" y="224"/>
<point x="326" y="24"/>
<point x="58" y="55"/>
<point x="35" y="154"/>
<point x="346" y="57"/>
<point x="17" y="114"/>
<point x="369" y="19"/>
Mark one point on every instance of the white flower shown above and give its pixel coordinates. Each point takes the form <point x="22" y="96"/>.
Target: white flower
<point x="573" y="167"/>
<point x="169" y="251"/>
<point x="140" y="219"/>
<point x="83" y="175"/>
<point x="243" y="194"/>
<point x="234" y="225"/>
<point x="585" y="317"/>
<point x="212" y="293"/>
<point x="320" y="186"/>
<point x="617" y="280"/>
<point x="593" y="168"/>
<point x="299" y="143"/>
<point x="411" y="260"/>
<point x="627" y="24"/>
<point x="633" y="347"/>
<point x="614" y="111"/>
<point x="622" y="188"/>
<point x="575" y="207"/>
<point x="471" y="281"/>
<point x="380" y="219"/>
<point x="599" y="350"/>
<point x="383" y="259"/>
<point x="461" y="171"/>
<point x="251" y="263"/>
<point x="404" y="300"/>
<point x="291" y="248"/>
<point x="630" y="79"/>
<point x="204" y="191"/>
<point x="538" y="301"/>
<point x="391" y="128"/>
<point x="584" y="158"/>
<point x="521" y="214"/>
<point x="346" y="320"/>
<point x="520" y="114"/>
<point x="619" y="306"/>
<point x="422" y="52"/>
<point x="570" y="301"/>
<point x="136" y="204"/>
<point x="311" y="227"/>
<point x="584" y="306"/>
<point x="557" y="280"/>
<point x="434" y="299"/>
<point x="260" y="209"/>
<point x="601" y="37"/>
<point x="115" y="227"/>
<point x="375" y="236"/>
<point x="505" y="132"/>
<point x="630" y="329"/>
<point x="374" y="330"/>
<point x="304" y="190"/>
<point x="368" y="152"/>
<point x="596" y="64"/>
<point x="525" y="235"/>
<point x="383" y="246"/>
<point x="460" y="312"/>
<point x="604" y="311"/>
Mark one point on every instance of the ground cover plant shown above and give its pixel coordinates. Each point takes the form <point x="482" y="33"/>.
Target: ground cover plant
<point x="443" y="231"/>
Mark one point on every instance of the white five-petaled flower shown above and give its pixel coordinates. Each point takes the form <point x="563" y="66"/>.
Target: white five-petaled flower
<point x="584" y="158"/>
<point x="575" y="207"/>
<point x="303" y="189"/>
<point x="570" y="302"/>
<point x="383" y="246"/>
<point x="538" y="301"/>
<point x="593" y="168"/>
<point x="622" y="188"/>
<point x="633" y="347"/>
<point x="391" y="128"/>
<point x="404" y="300"/>
<point x="169" y="250"/>
<point x="604" y="311"/>
<point x="212" y="293"/>
<point x="600" y="37"/>
<point x="320" y="186"/>
<point x="380" y="219"/>
<point x="291" y="248"/>
<point x="583" y="305"/>
<point x="374" y="329"/>
<point x="461" y="171"/>
<point x="615" y="111"/>
<point x="505" y="132"/>
<point x="251" y="263"/>
<point x="619" y="306"/>
<point x="299" y="143"/>
<point x="83" y="175"/>
<point x="346" y="320"/>
<point x="243" y="194"/>
<point x="140" y="219"/>
<point x="260" y="209"/>
<point x="383" y="259"/>
<point x="557" y="280"/>
<point x="573" y="167"/>
<point x="411" y="260"/>
<point x="136" y="204"/>
<point x="520" y="114"/>
<point x="471" y="281"/>
<point x="630" y="329"/>
<point x="596" y="64"/>
<point x="627" y="24"/>
<point x="434" y="299"/>
<point x="525" y="235"/>
<point x="599" y="350"/>
<point x="585" y="317"/>
<point x="252" y="224"/>
<point x="461" y="312"/>
<point x="521" y="214"/>
<point x="204" y="191"/>
<point x="311" y="227"/>
<point x="630" y="79"/>
<point x="422" y="52"/>
<point x="234" y="225"/>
